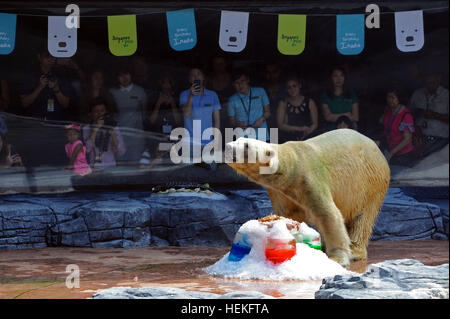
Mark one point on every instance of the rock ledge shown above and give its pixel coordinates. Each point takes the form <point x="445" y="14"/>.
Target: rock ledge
<point x="391" y="279"/>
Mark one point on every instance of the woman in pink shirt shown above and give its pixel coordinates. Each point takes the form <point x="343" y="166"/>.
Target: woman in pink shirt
<point x="76" y="151"/>
<point x="399" y="127"/>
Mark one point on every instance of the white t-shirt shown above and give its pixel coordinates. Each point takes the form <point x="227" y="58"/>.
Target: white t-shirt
<point x="421" y="99"/>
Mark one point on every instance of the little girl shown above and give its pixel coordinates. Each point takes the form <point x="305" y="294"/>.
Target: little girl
<point x="6" y="158"/>
<point x="76" y="151"/>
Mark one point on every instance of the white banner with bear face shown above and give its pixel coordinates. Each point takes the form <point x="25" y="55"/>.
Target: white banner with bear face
<point x="409" y="32"/>
<point x="233" y="31"/>
<point x="62" y="41"/>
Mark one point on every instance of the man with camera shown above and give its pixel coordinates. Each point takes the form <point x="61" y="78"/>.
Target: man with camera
<point x="102" y="137"/>
<point x="45" y="95"/>
<point x="199" y="104"/>
<point x="430" y="108"/>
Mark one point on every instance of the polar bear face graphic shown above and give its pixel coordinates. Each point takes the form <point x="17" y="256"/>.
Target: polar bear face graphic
<point x="233" y="31"/>
<point x="62" y="41"/>
<point x="409" y="32"/>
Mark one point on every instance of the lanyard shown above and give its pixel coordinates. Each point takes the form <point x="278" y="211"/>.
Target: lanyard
<point x="249" y="106"/>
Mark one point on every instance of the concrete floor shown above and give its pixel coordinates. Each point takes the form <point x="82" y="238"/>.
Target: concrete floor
<point x="41" y="273"/>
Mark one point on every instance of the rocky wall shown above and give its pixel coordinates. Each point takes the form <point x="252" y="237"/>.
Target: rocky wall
<point x="140" y="219"/>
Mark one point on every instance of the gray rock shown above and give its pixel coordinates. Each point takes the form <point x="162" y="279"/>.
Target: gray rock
<point x="403" y="218"/>
<point x="171" y="293"/>
<point x="24" y="224"/>
<point x="391" y="279"/>
<point x="140" y="219"/>
<point x="245" y="295"/>
<point x="156" y="241"/>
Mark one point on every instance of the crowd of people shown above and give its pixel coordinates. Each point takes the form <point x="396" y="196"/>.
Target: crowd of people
<point x="108" y="124"/>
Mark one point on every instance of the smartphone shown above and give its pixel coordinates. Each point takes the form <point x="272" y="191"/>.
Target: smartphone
<point x="14" y="152"/>
<point x="197" y="85"/>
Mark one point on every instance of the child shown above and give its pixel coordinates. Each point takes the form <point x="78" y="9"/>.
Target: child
<point x="7" y="158"/>
<point x="76" y="151"/>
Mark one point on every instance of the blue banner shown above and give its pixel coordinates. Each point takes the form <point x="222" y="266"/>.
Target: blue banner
<point x="182" y="29"/>
<point x="350" y="33"/>
<point x="7" y="32"/>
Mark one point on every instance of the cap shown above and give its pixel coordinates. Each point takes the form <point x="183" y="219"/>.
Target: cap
<point x="72" y="127"/>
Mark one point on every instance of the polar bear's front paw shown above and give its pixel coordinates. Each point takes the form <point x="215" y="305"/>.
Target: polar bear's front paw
<point x="340" y="256"/>
<point x="358" y="253"/>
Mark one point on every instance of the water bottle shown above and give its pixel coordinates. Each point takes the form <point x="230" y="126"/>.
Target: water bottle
<point x="240" y="248"/>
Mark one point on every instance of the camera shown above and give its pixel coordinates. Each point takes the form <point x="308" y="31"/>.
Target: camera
<point x="103" y="136"/>
<point x="109" y="120"/>
<point x="50" y="76"/>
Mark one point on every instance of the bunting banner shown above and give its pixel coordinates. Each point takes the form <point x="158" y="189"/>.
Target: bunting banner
<point x="62" y="41"/>
<point x="182" y="29"/>
<point x="350" y="33"/>
<point x="7" y="32"/>
<point x="291" y="33"/>
<point x="233" y="31"/>
<point x="409" y="31"/>
<point x="122" y="35"/>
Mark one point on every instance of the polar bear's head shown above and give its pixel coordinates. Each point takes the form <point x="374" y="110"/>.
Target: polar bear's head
<point x="252" y="157"/>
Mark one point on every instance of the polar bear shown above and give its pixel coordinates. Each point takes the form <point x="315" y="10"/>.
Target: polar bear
<point x="336" y="181"/>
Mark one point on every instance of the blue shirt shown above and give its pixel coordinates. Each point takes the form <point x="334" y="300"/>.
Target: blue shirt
<point x="203" y="107"/>
<point x="242" y="110"/>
